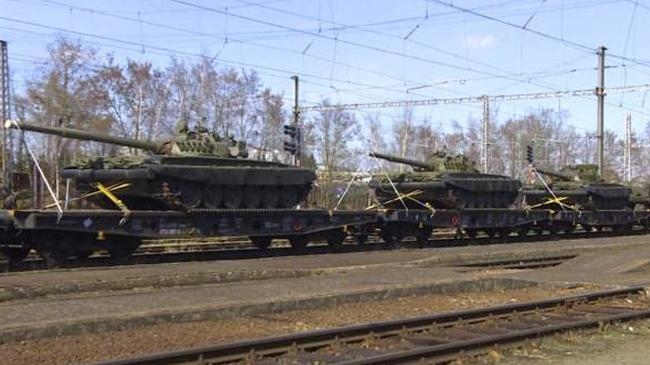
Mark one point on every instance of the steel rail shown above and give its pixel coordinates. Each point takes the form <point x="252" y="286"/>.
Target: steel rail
<point x="279" y="345"/>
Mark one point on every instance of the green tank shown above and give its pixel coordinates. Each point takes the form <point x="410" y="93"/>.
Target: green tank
<point x="581" y="187"/>
<point x="195" y="169"/>
<point x="443" y="182"/>
<point x="639" y="196"/>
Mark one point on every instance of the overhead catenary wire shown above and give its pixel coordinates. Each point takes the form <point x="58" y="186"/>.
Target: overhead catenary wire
<point x="551" y="37"/>
<point x="512" y="76"/>
<point x="472" y="99"/>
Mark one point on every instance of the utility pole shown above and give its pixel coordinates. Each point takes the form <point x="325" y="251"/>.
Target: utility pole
<point x="600" y="95"/>
<point x="5" y="108"/>
<point x="486" y="123"/>
<point x="627" y="156"/>
<point x="296" y="120"/>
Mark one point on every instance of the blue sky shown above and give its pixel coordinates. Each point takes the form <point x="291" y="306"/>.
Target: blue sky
<point x="370" y="51"/>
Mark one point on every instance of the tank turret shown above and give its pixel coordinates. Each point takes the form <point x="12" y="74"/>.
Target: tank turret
<point x="186" y="142"/>
<point x="437" y="161"/>
<point x="555" y="175"/>
<point x="194" y="169"/>
<point x="443" y="181"/>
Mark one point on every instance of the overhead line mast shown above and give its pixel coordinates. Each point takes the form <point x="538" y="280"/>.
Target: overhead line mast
<point x="600" y="114"/>
<point x="5" y="107"/>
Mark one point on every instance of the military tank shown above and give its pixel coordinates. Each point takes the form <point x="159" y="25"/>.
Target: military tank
<point x="581" y="187"/>
<point x="195" y="169"/>
<point x="443" y="182"/>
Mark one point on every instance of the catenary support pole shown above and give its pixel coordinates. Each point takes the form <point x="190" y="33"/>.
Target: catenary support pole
<point x="486" y="125"/>
<point x="600" y="95"/>
<point x="296" y="120"/>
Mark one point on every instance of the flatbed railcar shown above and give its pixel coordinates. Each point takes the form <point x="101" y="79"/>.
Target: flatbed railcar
<point x="78" y="233"/>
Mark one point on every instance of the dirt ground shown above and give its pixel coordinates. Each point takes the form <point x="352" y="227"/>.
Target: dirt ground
<point x="95" y="347"/>
<point x="600" y="263"/>
<point x="625" y="343"/>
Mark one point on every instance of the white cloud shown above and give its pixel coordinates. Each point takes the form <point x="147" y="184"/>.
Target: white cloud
<point x="480" y="41"/>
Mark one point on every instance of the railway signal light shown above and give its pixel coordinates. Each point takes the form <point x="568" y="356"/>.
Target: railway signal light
<point x="294" y="144"/>
<point x="529" y="154"/>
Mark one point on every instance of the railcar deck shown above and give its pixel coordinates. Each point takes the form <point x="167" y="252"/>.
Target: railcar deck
<point x="78" y="233"/>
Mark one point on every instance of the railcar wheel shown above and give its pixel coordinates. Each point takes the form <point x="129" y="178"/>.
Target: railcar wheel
<point x="392" y="238"/>
<point x="336" y="238"/>
<point x="522" y="231"/>
<point x="212" y="197"/>
<point x="191" y="195"/>
<point x="471" y="232"/>
<point x="53" y="258"/>
<point x="504" y="232"/>
<point x="361" y="238"/>
<point x="232" y="197"/>
<point x="262" y="243"/>
<point x="270" y="197"/>
<point x="422" y="236"/>
<point x="16" y="253"/>
<point x="83" y="254"/>
<point x="298" y="242"/>
<point x="121" y="248"/>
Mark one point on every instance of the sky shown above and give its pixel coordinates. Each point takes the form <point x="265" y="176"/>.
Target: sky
<point x="369" y="51"/>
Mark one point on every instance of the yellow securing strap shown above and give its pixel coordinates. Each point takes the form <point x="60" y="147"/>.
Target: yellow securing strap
<point x="115" y="200"/>
<point x="399" y="197"/>
<point x="114" y="187"/>
<point x="553" y="201"/>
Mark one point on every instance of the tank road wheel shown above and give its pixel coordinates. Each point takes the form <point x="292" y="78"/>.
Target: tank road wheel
<point x="270" y="197"/>
<point x="191" y="195"/>
<point x="212" y="197"/>
<point x="288" y="196"/>
<point x="262" y="243"/>
<point x="252" y="197"/>
<point x="232" y="197"/>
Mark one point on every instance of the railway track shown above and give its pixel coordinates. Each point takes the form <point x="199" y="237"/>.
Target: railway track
<point x="437" y="338"/>
<point x="239" y="249"/>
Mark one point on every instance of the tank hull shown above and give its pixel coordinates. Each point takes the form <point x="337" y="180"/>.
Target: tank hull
<point x="447" y="191"/>
<point x="598" y="196"/>
<point x="181" y="183"/>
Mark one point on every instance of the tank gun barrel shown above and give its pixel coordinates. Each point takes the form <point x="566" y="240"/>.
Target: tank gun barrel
<point x="85" y="136"/>
<point x="554" y="174"/>
<point x="405" y="161"/>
